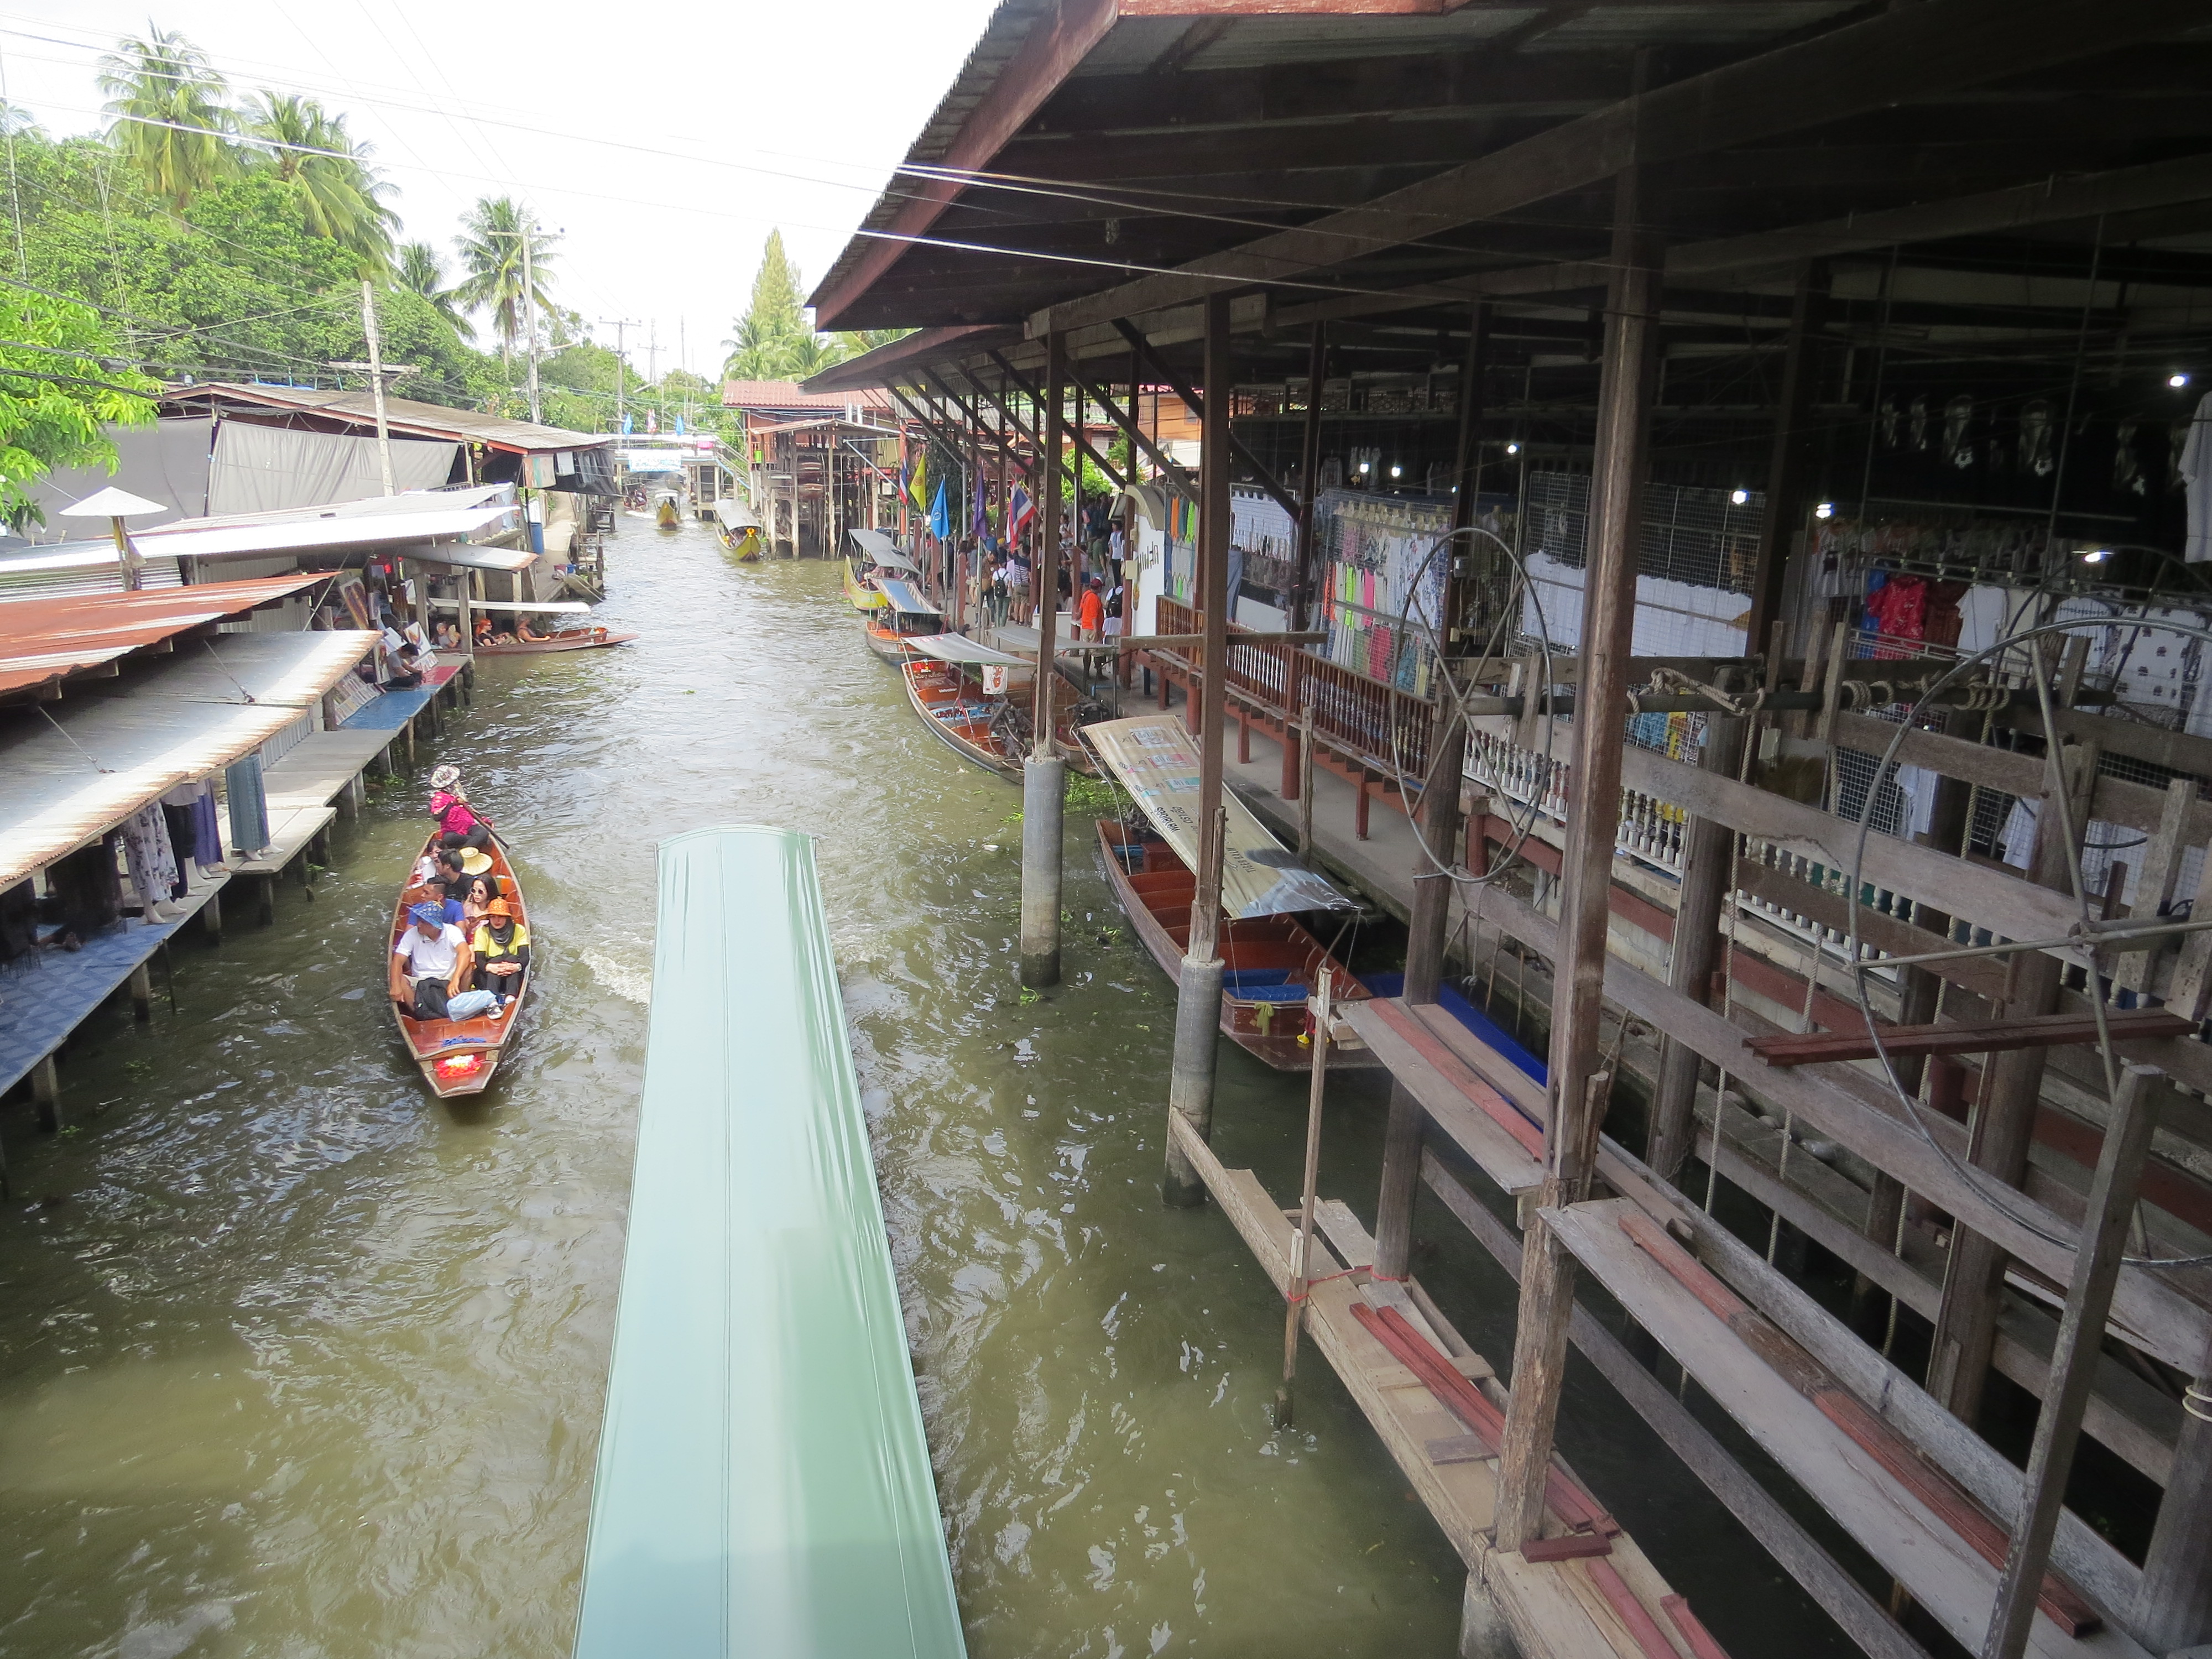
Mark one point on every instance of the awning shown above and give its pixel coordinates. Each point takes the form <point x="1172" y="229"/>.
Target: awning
<point x="382" y="521"/>
<point x="70" y="772"/>
<point x="882" y="549"/>
<point x="467" y="556"/>
<point x="64" y="570"/>
<point x="901" y="596"/>
<point x="42" y="640"/>
<point x="1157" y="762"/>
<point x="735" y="515"/>
<point x="958" y="648"/>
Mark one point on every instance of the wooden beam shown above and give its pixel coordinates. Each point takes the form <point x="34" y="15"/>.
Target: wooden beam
<point x="2175" y="1608"/>
<point x="1196" y="404"/>
<point x="1986" y="1038"/>
<point x="1781" y="513"/>
<point x="2152" y="1313"/>
<point x="1069" y="464"/>
<point x="1864" y="1620"/>
<point x="2074" y="1360"/>
<point x="1916" y="52"/>
<point x="1137" y="435"/>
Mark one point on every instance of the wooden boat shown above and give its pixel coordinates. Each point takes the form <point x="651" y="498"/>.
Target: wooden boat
<point x="567" y="639"/>
<point x="740" y="529"/>
<point x="458" y="1056"/>
<point x="860" y="588"/>
<point x="667" y="515"/>
<point x="904" y="615"/>
<point x="973" y="725"/>
<point x="1272" y="962"/>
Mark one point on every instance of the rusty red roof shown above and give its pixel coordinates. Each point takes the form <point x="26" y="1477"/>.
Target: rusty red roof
<point x="786" y="394"/>
<point x="46" y="639"/>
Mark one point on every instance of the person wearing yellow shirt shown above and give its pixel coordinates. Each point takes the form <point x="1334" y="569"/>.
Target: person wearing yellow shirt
<point x="501" y="947"/>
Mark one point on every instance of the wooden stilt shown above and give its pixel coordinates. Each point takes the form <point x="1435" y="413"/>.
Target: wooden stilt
<point x="1708" y="849"/>
<point x="46" y="1093"/>
<point x="2073" y="1358"/>
<point x="264" y="889"/>
<point x="2174" y="1608"/>
<point x="1302" y="1251"/>
<point x="211" y="915"/>
<point x="1293" y="695"/>
<point x="1301" y="585"/>
<point x="1578" y="1088"/>
<point x="141" y="990"/>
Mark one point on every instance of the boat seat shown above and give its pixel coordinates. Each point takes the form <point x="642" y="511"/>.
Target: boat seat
<point x="1255" y="976"/>
<point x="1292" y="993"/>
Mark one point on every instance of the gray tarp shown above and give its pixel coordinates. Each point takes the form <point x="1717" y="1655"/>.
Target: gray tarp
<point x="261" y="469"/>
<point x="165" y="462"/>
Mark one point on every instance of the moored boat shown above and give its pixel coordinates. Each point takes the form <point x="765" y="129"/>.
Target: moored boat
<point x="964" y="696"/>
<point x="458" y="1056"/>
<point x="1270" y="964"/>
<point x="905" y="614"/>
<point x="874" y="556"/>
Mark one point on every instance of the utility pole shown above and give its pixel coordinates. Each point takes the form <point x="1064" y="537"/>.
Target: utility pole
<point x="529" y="310"/>
<point x="376" y="379"/>
<point x="621" y="325"/>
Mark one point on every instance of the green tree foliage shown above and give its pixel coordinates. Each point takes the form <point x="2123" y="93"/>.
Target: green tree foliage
<point x="421" y="271"/>
<point x="491" y="249"/>
<point x="59" y="386"/>
<point x="342" y="195"/>
<point x="170" y="118"/>
<point x="774" y="340"/>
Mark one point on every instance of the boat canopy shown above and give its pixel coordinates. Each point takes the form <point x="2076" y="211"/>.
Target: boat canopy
<point x="958" y="648"/>
<point x="1157" y="762"/>
<point x="763" y="1482"/>
<point x="735" y="515"/>
<point x="900" y="596"/>
<point x="881" y="550"/>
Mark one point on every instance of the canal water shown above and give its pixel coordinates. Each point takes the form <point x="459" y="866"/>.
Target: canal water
<point x="296" y="1362"/>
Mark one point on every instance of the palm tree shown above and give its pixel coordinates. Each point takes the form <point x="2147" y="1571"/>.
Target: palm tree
<point x="171" y="123"/>
<point x="340" y="193"/>
<point x="491" y="256"/>
<point x="419" y="269"/>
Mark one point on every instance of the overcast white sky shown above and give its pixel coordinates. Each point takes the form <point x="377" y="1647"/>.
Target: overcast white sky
<point x="665" y="142"/>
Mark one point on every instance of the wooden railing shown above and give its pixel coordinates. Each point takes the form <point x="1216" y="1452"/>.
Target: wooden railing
<point x="1364" y="720"/>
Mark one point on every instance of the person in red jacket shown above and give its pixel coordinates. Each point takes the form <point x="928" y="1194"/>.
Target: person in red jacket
<point x="457" y="826"/>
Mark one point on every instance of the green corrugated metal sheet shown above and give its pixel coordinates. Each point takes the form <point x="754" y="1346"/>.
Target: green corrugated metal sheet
<point x="764" y="1486"/>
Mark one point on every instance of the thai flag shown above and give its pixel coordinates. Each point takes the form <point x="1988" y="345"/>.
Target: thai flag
<point x="1021" y="511"/>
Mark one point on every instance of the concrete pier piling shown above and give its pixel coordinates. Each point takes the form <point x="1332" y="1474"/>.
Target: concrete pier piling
<point x="1190" y="1072"/>
<point x="1043" y="797"/>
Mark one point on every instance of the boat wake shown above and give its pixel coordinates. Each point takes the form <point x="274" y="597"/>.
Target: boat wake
<point x="627" y="980"/>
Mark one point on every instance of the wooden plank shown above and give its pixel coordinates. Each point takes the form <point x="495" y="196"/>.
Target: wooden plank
<point x="289" y="834"/>
<point x="1482" y="1134"/>
<point x="1984" y="1037"/>
<point x="1940" y="1570"/>
<point x="2152" y="1314"/>
<point x="1859" y="1615"/>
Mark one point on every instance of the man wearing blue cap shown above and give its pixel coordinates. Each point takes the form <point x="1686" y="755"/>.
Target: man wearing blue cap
<point x="430" y="963"/>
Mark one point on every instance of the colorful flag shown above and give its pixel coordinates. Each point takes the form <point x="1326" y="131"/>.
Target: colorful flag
<point x="915" y="483"/>
<point x="1020" y="511"/>
<point x="941" y="521"/>
<point x="980" y="520"/>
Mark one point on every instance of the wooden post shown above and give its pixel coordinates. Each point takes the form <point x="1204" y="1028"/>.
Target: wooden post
<point x="46" y="1092"/>
<point x="1293" y="695"/>
<point x="1305" y="782"/>
<point x="2004" y="1117"/>
<point x="211" y="915"/>
<point x="1782" y="513"/>
<point x="1708" y="847"/>
<point x="1608" y="615"/>
<point x="2073" y="1358"/>
<point x="2174" y="1608"/>
<point x="1302" y="1255"/>
<point x="1301" y="584"/>
<point x="1198" y="991"/>
<point x="1044" y="791"/>
<point x="141" y="990"/>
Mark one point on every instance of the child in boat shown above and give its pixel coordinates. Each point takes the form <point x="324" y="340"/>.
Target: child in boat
<point x="502" y="952"/>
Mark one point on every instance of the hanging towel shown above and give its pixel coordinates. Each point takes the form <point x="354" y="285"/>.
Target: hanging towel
<point x="249" y="806"/>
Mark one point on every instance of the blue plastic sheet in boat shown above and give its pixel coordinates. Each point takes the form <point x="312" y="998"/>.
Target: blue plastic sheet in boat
<point x="764" y="1486"/>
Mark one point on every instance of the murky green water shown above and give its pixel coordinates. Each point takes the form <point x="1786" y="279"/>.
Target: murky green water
<point x="295" y="1361"/>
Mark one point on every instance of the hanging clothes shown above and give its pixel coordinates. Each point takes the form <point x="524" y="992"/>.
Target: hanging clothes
<point x="184" y="831"/>
<point x="2195" y="465"/>
<point x="207" y="828"/>
<point x="146" y="849"/>
<point x="249" y="806"/>
<point x="1899" y="610"/>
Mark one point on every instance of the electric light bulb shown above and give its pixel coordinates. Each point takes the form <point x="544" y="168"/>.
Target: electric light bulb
<point x="1740" y="497"/>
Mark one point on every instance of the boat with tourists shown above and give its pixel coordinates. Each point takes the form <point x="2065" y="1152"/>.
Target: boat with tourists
<point x="1272" y="960"/>
<point x="459" y="1055"/>
<point x="564" y="639"/>
<point x="739" y="528"/>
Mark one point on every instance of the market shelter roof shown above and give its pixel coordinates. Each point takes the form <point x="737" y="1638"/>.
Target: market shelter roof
<point x="43" y="640"/>
<point x="378" y="521"/>
<point x="70" y="772"/>
<point x="401" y="415"/>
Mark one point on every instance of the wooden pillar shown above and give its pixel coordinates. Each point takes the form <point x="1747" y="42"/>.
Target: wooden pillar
<point x="1198" y="989"/>
<point x="2004" y="1116"/>
<point x="1301" y="584"/>
<point x="1783" y="511"/>
<point x="2073" y="1358"/>
<point x="1593" y="822"/>
<point x="211" y="915"/>
<point x="141" y="990"/>
<point x="1708" y="845"/>
<point x="1294" y="659"/>
<point x="46" y="1093"/>
<point x="2174" y="1608"/>
<point x="265" y="898"/>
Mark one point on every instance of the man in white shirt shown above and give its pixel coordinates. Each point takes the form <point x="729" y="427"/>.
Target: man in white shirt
<point x="431" y="964"/>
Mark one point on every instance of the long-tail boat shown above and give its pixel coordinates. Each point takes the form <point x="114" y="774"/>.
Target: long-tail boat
<point x="905" y="616"/>
<point x="565" y="639"/>
<point x="458" y="1056"/>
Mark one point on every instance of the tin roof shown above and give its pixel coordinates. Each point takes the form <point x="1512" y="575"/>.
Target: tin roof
<point x="786" y="394"/>
<point x="46" y="639"/>
<point x="69" y="773"/>
<point x="401" y="415"/>
<point x="419" y="515"/>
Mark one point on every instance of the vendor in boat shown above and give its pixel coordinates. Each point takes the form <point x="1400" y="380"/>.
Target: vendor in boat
<point x="430" y="965"/>
<point x="502" y="952"/>
<point x="457" y="825"/>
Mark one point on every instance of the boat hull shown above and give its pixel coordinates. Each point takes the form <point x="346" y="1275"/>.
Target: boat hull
<point x="891" y="647"/>
<point x="1156" y="894"/>
<point x="583" y="640"/>
<point x="433" y="1044"/>
<point x="939" y="694"/>
<point x="862" y="595"/>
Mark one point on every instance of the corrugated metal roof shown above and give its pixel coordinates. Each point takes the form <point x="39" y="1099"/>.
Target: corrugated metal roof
<point x="46" y="639"/>
<point x="786" y="394"/>
<point x="70" y="772"/>
<point x="70" y="569"/>
<point x="401" y="414"/>
<point x="378" y="521"/>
